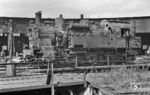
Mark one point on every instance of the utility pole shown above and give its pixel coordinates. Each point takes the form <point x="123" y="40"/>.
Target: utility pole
<point x="10" y="38"/>
<point x="50" y="78"/>
<point x="10" y="69"/>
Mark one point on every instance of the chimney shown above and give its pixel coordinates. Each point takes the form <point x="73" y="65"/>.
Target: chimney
<point x="61" y="16"/>
<point x="38" y="17"/>
<point x="82" y="16"/>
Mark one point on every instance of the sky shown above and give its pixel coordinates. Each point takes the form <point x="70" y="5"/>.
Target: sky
<point x="73" y="8"/>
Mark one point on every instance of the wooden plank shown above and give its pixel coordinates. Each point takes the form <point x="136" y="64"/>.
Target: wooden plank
<point x="40" y="87"/>
<point x="39" y="80"/>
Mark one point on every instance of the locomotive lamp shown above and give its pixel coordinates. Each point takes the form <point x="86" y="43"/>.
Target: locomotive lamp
<point x="145" y="48"/>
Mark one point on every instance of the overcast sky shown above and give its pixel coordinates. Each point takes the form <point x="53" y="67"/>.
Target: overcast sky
<point x="73" y="8"/>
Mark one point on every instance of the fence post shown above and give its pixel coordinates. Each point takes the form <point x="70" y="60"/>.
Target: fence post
<point x="84" y="79"/>
<point x="108" y="59"/>
<point x="76" y="61"/>
<point x="48" y="67"/>
<point x="38" y="67"/>
<point x="49" y="76"/>
<point x="26" y="68"/>
<point x="52" y="79"/>
<point x="10" y="70"/>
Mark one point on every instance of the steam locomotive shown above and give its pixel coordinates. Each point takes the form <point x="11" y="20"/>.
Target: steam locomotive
<point x="84" y="42"/>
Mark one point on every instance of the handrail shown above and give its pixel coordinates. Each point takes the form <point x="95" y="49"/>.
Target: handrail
<point x="78" y="61"/>
<point x="24" y="63"/>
